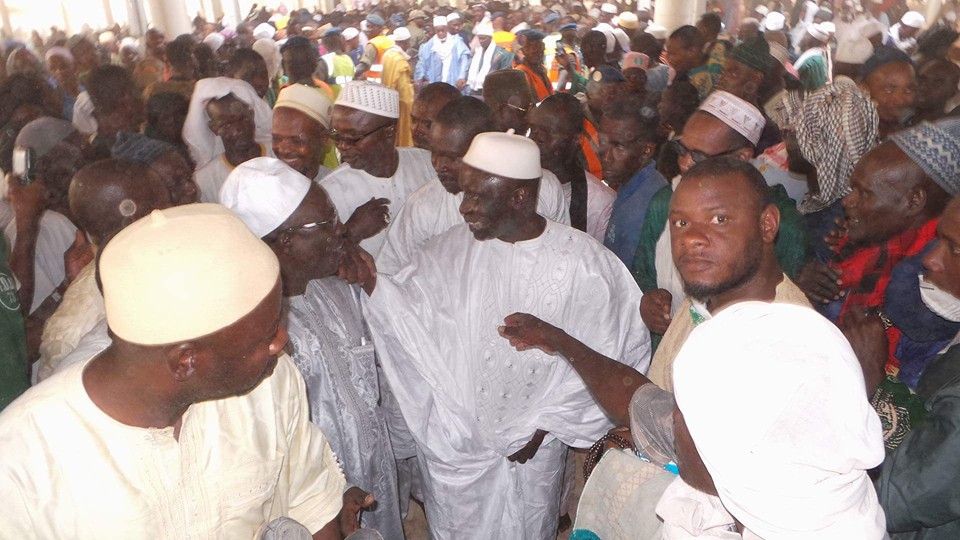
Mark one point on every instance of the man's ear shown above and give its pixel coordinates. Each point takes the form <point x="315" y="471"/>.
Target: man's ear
<point x="522" y="196"/>
<point x="744" y="154"/>
<point x="916" y="200"/>
<point x="770" y="223"/>
<point x="182" y="361"/>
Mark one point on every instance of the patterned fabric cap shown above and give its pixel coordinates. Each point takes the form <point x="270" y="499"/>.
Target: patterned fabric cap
<point x="740" y="115"/>
<point x="754" y="53"/>
<point x="370" y="97"/>
<point x="935" y="148"/>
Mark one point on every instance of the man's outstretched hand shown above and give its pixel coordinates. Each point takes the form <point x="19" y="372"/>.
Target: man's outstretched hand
<point x="524" y="331"/>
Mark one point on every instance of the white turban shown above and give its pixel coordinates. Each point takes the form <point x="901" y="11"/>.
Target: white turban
<point x="184" y="273"/>
<point x="818" y="31"/>
<point x="505" y="155"/>
<point x="737" y="113"/>
<point x="202" y="143"/>
<point x="774" y="399"/>
<point x="483" y="29"/>
<point x="308" y="100"/>
<point x="264" y="192"/>
<point x="370" y="97"/>
<point x="264" y="31"/>
<point x="270" y="51"/>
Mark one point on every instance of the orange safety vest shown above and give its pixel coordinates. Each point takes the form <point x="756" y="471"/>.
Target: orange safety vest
<point x="382" y="44"/>
<point x="590" y="145"/>
<point x="541" y="88"/>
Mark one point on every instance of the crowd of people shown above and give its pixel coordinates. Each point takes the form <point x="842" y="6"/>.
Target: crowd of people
<point x="285" y="279"/>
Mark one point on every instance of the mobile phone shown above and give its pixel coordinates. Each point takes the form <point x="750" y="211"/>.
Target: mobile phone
<point x="23" y="165"/>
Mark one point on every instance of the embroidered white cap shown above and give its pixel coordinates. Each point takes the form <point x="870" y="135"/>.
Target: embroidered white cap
<point x="370" y="97"/>
<point x="737" y="113"/>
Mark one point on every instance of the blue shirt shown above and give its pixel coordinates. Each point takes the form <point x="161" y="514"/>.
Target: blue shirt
<point x="629" y="209"/>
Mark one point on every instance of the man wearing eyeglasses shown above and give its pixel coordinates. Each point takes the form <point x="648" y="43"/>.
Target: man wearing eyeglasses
<point x="328" y="338"/>
<point x="376" y="177"/>
<point x="723" y="126"/>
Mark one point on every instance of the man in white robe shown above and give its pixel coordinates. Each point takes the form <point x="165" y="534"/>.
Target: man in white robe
<point x="490" y="422"/>
<point x="435" y="207"/>
<point x="190" y="424"/>
<point x="375" y="178"/>
<point x="331" y="345"/>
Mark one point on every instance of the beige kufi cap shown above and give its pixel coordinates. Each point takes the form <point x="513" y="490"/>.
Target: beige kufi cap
<point x="308" y="100"/>
<point x="740" y="115"/>
<point x="183" y="273"/>
<point x="370" y="97"/>
<point x="505" y="155"/>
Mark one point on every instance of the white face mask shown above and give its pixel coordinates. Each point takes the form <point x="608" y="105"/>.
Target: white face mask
<point x="939" y="301"/>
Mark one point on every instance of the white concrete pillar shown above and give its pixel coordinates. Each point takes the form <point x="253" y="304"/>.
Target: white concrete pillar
<point x="672" y="14"/>
<point x="171" y="17"/>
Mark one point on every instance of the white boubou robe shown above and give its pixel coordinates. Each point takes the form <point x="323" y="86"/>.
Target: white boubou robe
<point x="470" y="399"/>
<point x="350" y="188"/>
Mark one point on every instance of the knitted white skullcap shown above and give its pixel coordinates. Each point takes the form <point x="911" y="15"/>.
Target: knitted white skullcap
<point x="737" y="113"/>
<point x="505" y="155"/>
<point x="184" y="273"/>
<point x="308" y="100"/>
<point x="370" y="97"/>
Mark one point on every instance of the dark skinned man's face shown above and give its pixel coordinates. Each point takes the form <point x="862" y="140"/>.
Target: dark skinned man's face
<point x="363" y="139"/>
<point x="716" y="234"/>
<point x="449" y="145"/>
<point x="422" y="115"/>
<point x="623" y="150"/>
<point x="487" y="205"/>
<point x="298" y="140"/>
<point x="314" y="250"/>
<point x="893" y="88"/>
<point x="232" y="120"/>
<point x="878" y="206"/>
<point x="556" y="138"/>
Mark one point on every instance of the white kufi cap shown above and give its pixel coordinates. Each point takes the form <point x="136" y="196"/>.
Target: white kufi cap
<point x="737" y="113"/>
<point x="370" y="97"/>
<point x="774" y="21"/>
<point x="264" y="31"/>
<point x="609" y="8"/>
<point x="264" y="192"/>
<point x="308" y="100"/>
<point x="350" y="33"/>
<point x="439" y="21"/>
<point x="483" y="29"/>
<point x="184" y="273"/>
<point x="505" y="155"/>
<point x="400" y="34"/>
<point x="913" y="19"/>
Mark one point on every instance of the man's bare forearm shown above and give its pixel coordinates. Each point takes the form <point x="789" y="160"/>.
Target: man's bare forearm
<point x="611" y="383"/>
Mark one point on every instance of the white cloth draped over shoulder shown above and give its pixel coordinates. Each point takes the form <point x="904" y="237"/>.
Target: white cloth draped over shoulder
<point x="350" y="188"/>
<point x="432" y="210"/>
<point x="469" y="398"/>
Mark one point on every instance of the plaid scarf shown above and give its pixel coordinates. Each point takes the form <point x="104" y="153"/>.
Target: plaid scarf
<point x="866" y="271"/>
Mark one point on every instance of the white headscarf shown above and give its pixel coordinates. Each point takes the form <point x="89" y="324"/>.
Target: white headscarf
<point x="270" y="51"/>
<point x="202" y="143"/>
<point x="774" y="399"/>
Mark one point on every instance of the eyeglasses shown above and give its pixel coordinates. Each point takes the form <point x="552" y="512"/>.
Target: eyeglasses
<point x="343" y="139"/>
<point x="697" y="156"/>
<point x="310" y="226"/>
<point x="523" y="110"/>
